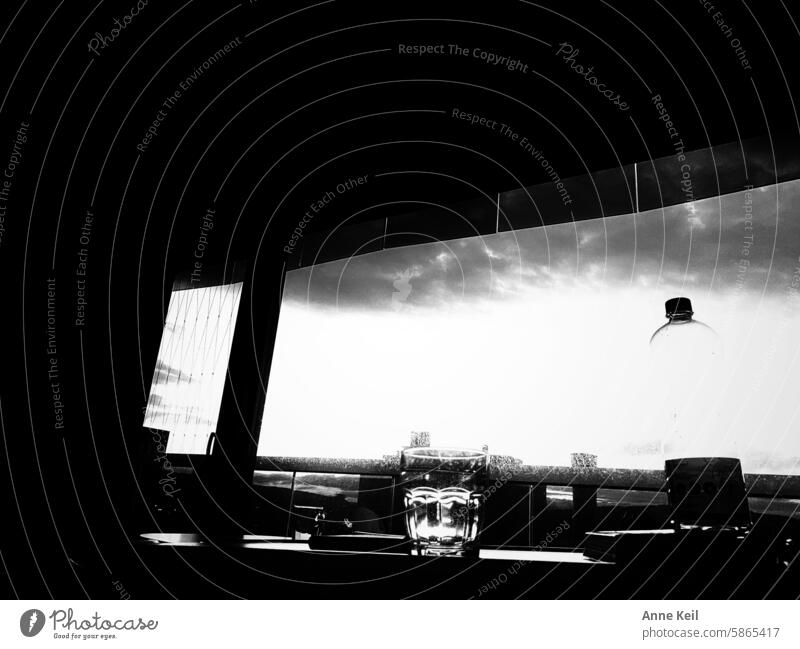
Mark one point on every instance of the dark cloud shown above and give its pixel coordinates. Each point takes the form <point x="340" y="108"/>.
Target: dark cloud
<point x="719" y="244"/>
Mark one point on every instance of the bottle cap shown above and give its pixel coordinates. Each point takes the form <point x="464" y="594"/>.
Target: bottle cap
<point x="678" y="306"/>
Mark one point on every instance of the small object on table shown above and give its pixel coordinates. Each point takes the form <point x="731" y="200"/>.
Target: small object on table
<point x="686" y="545"/>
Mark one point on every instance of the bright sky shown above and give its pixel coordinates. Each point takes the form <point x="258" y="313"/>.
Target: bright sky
<point x="186" y="393"/>
<point x="535" y="342"/>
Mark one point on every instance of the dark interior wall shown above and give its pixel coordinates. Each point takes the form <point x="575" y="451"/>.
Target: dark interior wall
<point x="308" y="100"/>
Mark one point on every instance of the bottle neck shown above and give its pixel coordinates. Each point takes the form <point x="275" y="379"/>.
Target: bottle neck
<point x="678" y="318"/>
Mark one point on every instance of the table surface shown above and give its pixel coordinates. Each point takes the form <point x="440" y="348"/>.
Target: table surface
<point x="256" y="542"/>
<point x="191" y="566"/>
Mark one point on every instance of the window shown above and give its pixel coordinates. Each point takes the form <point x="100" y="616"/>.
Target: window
<point x="535" y="341"/>
<point x="189" y="378"/>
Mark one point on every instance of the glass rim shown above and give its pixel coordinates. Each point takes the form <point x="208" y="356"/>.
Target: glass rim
<point x="444" y="453"/>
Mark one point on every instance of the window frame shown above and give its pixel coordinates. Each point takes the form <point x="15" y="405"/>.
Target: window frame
<point x="654" y="187"/>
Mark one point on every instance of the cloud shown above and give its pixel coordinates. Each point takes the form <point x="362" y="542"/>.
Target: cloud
<point x="166" y="373"/>
<point x="696" y="222"/>
<point x="698" y="245"/>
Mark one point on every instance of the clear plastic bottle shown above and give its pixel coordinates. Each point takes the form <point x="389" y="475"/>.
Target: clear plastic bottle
<point x="686" y="356"/>
<point x="705" y="484"/>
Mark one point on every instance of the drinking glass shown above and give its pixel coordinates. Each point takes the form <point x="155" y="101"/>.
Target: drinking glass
<point x="443" y="495"/>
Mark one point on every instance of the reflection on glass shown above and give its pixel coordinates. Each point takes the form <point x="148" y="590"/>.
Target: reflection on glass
<point x="330" y="503"/>
<point x="271" y="502"/>
<point x="306" y="504"/>
<point x="186" y="392"/>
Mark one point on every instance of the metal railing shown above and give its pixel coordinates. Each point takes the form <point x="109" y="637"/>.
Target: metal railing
<point x="758" y="485"/>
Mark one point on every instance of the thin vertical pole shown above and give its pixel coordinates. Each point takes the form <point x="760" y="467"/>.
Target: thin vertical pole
<point x="291" y="506"/>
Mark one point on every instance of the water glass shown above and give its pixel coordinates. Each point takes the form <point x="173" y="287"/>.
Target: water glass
<point x="443" y="493"/>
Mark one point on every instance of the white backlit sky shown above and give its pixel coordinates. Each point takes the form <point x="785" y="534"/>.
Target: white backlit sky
<point x="535" y="342"/>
